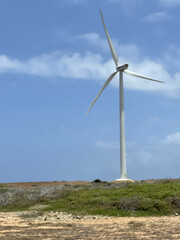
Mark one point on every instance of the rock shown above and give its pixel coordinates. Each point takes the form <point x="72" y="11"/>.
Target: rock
<point x="78" y="217"/>
<point x="176" y="214"/>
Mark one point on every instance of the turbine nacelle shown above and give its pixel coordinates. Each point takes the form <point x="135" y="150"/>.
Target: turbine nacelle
<point x="122" y="67"/>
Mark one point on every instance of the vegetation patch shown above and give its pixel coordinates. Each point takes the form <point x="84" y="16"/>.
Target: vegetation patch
<point x="99" y="198"/>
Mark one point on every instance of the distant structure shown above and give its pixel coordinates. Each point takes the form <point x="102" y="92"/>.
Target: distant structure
<point x="121" y="69"/>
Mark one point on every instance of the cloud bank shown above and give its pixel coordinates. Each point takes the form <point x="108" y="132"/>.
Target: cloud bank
<point x="92" y="66"/>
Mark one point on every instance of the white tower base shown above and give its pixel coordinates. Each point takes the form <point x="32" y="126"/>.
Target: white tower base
<point x="124" y="180"/>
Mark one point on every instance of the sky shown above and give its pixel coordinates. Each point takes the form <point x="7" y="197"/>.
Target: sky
<point x="54" y="59"/>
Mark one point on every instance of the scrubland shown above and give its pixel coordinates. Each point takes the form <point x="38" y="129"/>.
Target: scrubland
<point x="140" y="198"/>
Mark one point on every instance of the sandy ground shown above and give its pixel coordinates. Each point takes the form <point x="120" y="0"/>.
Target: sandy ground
<point x="15" y="226"/>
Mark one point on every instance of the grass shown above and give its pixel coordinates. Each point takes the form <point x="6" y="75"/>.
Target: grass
<point x="122" y="199"/>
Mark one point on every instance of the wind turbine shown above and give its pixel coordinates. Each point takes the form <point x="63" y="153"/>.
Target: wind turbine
<point x="121" y="69"/>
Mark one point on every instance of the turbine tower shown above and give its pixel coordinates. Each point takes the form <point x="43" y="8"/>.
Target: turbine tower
<point x="121" y="69"/>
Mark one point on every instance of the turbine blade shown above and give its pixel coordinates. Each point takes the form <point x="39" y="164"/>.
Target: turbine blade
<point x="113" y="52"/>
<point x="102" y="89"/>
<point x="140" y="76"/>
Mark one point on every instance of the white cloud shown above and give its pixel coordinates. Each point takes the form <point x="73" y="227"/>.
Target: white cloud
<point x="92" y="66"/>
<point x="173" y="138"/>
<point x="157" y="17"/>
<point x="56" y="64"/>
<point x="169" y="2"/>
<point x="107" y="145"/>
<point x="7" y="64"/>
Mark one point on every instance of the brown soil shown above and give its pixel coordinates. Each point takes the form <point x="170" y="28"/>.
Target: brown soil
<point x="39" y="184"/>
<point x="15" y="226"/>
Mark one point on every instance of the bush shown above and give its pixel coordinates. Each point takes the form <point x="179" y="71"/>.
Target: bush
<point x="97" y="181"/>
<point x="155" y="206"/>
<point x="132" y="204"/>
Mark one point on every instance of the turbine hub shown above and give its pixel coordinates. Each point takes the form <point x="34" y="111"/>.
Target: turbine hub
<point x="122" y="67"/>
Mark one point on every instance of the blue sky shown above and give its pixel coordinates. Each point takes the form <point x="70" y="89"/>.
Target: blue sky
<point x="54" y="58"/>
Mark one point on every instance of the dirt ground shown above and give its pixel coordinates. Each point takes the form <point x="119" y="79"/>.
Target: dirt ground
<point x="16" y="226"/>
<point x="42" y="184"/>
